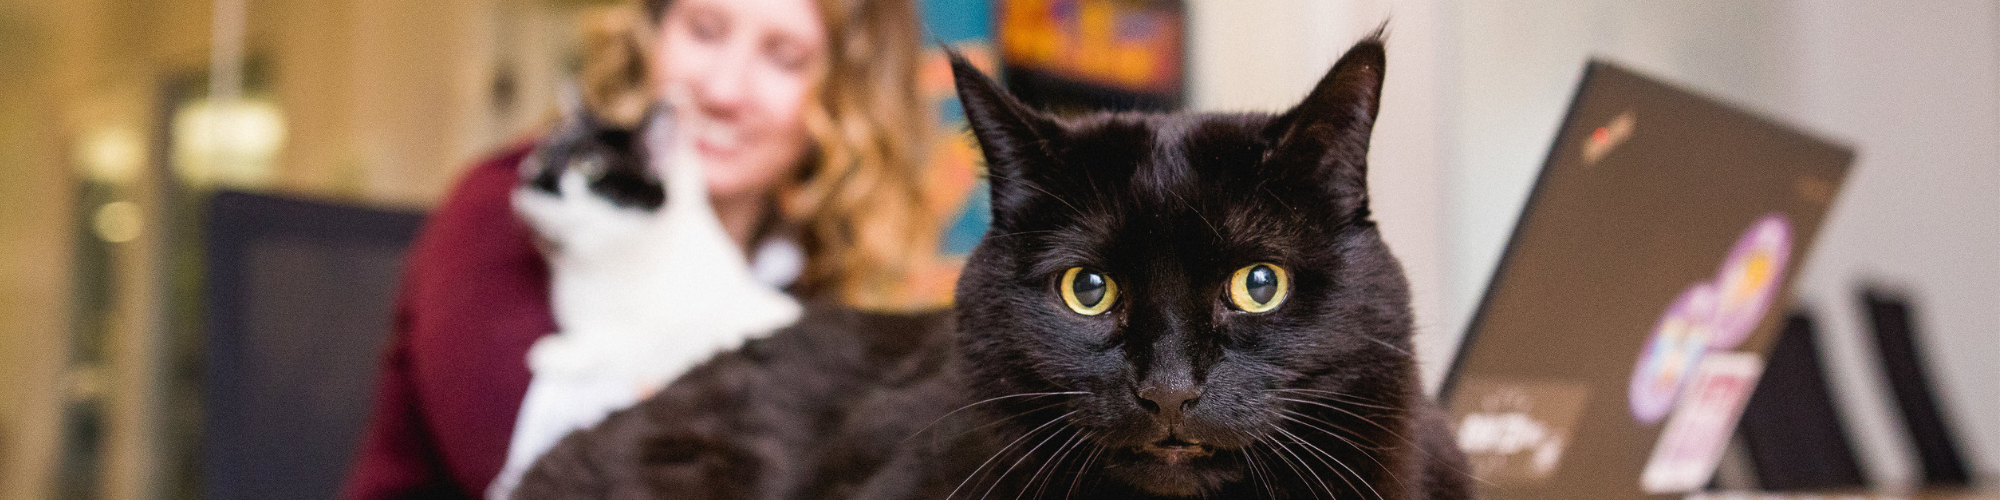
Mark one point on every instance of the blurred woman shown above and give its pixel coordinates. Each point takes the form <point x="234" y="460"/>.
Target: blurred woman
<point x="806" y="118"/>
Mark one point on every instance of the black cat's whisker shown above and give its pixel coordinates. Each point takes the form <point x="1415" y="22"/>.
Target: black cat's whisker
<point x="997" y="422"/>
<point x="1054" y="457"/>
<point x="1275" y="197"/>
<point x="1392" y="347"/>
<point x="1019" y="233"/>
<point x="1197" y="214"/>
<point x="1250" y="467"/>
<point x="1418" y="447"/>
<point x="1083" y="468"/>
<point x="1365" y="451"/>
<point x="1082" y="462"/>
<point x="1057" y="473"/>
<point x="1270" y="477"/>
<point x="1323" y="456"/>
<point x="1092" y="181"/>
<point x="1079" y="212"/>
<point x="1335" y="396"/>
<point x="1351" y="441"/>
<point x="1061" y="454"/>
<point x="1347" y="397"/>
<point x="1296" y="472"/>
<point x="1003" y="449"/>
<point x="1273" y="472"/>
<point x="989" y="400"/>
<point x="1250" y="463"/>
<point x="1413" y="444"/>
<point x="1301" y="462"/>
<point x="1363" y="419"/>
<point x="1319" y="455"/>
<point x="1341" y="397"/>
<point x="1024" y="457"/>
<point x="980" y="472"/>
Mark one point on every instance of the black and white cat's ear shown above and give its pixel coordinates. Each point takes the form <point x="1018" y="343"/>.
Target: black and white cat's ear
<point x="575" y="109"/>
<point x="569" y="100"/>
<point x="1014" y="137"/>
<point x="657" y="113"/>
<point x="1331" y="128"/>
<point x="656" y="125"/>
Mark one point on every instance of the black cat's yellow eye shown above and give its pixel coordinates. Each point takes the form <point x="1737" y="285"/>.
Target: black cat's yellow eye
<point x="1087" y="292"/>
<point x="1259" y="287"/>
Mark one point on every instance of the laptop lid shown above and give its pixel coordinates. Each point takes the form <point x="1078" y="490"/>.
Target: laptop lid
<point x="1628" y="320"/>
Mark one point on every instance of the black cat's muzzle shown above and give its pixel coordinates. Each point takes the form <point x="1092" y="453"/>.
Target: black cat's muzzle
<point x="1175" y="466"/>
<point x="1175" y="450"/>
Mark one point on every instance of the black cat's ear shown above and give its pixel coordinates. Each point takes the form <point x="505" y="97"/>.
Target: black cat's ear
<point x="1014" y="137"/>
<point x="1328" y="133"/>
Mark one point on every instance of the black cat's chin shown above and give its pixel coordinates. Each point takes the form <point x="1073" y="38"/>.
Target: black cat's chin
<point x="1175" y="469"/>
<point x="1174" y="451"/>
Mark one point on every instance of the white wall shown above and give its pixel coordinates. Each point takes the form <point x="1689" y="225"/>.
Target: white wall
<point x="1477" y="87"/>
<point x="1916" y="87"/>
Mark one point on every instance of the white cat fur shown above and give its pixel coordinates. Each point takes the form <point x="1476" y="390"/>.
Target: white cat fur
<point x="640" y="297"/>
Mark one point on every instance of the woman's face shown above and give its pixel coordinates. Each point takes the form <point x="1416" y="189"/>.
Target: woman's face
<point x="738" y="73"/>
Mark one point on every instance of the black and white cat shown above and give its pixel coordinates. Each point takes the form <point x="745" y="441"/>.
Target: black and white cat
<point x="1166" y="306"/>
<point x="644" y="281"/>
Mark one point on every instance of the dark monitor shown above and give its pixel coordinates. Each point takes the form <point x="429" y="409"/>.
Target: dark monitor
<point x="1893" y="321"/>
<point x="1792" y="428"/>
<point x="299" y="302"/>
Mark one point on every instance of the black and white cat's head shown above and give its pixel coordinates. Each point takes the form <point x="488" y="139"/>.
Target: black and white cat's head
<point x="608" y="159"/>
<point x="1199" y="285"/>
<point x="621" y="214"/>
<point x="589" y="183"/>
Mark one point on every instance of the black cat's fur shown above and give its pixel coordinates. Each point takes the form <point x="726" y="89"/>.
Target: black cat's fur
<point x="1024" y="398"/>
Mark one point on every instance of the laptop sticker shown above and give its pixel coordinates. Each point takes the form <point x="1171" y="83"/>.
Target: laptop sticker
<point x="1604" y="139"/>
<point x="1692" y="444"/>
<point x="1749" y="279"/>
<point x="1679" y="339"/>
<point x="1713" y="315"/>
<point x="1515" y="432"/>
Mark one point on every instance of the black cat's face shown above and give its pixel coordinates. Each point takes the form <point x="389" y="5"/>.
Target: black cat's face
<point x="1181" y="282"/>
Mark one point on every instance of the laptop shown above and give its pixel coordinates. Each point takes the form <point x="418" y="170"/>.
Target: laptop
<point x="1643" y="287"/>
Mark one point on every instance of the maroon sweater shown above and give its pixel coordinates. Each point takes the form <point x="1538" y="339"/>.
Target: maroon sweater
<point x="475" y="296"/>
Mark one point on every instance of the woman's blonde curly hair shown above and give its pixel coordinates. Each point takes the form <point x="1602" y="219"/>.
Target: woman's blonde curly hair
<point x="858" y="204"/>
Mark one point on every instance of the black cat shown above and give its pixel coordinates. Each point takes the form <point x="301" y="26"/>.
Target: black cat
<point x="1166" y="306"/>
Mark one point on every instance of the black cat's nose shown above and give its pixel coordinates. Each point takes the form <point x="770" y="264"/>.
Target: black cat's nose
<point x="1169" y="401"/>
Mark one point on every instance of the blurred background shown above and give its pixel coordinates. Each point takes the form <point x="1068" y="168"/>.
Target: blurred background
<point x="122" y="120"/>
